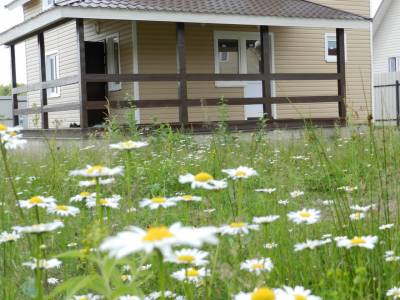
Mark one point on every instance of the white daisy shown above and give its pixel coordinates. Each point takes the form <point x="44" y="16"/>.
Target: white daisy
<point x="257" y="266"/>
<point x="298" y="292"/>
<point x="43" y="264"/>
<point x="192" y="275"/>
<point x="203" y="180"/>
<point x="129" y="297"/>
<point x="83" y="196"/>
<point x="296" y="194"/>
<point x="237" y="228"/>
<point x="363" y="209"/>
<point x="167" y="295"/>
<point x="386" y="226"/>
<point x="240" y="173"/>
<point x="267" y="191"/>
<point x="270" y="245"/>
<point x="53" y="281"/>
<point x="265" y="219"/>
<point x="6" y="237"/>
<point x="394" y="292"/>
<point x="97" y="171"/>
<point x="87" y="297"/>
<point x="37" y="201"/>
<point x="157" y="202"/>
<point x="88" y="183"/>
<point x="367" y="242"/>
<point x="129" y="145"/>
<point x="193" y="257"/>
<point x="162" y="238"/>
<point x="308" y="216"/>
<point x="186" y="198"/>
<point x="357" y="216"/>
<point x="390" y="256"/>
<point x="111" y="202"/>
<point x="283" y="202"/>
<point x="262" y="293"/>
<point x="63" y="210"/>
<point x="39" y="228"/>
<point x="311" y="244"/>
<point x="348" y="189"/>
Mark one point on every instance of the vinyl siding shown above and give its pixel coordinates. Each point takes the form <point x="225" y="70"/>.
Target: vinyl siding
<point x="32" y="8"/>
<point x="360" y="7"/>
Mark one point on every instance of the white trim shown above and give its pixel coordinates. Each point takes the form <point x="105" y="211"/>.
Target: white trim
<point x="54" y="53"/>
<point x="380" y="14"/>
<point x="333" y="58"/>
<point x="46" y="6"/>
<point x="113" y="86"/>
<point x="16" y="3"/>
<point x="371" y="86"/>
<point x="135" y="53"/>
<point x="56" y="13"/>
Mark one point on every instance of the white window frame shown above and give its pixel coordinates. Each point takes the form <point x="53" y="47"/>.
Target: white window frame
<point x="56" y="91"/>
<point x="397" y="64"/>
<point x="46" y="5"/>
<point x="242" y="37"/>
<point x="333" y="58"/>
<point x="113" y="86"/>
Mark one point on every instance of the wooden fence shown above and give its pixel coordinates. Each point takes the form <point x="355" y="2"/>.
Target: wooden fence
<point x="387" y="97"/>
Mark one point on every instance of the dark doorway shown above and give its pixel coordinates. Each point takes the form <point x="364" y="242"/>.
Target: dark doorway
<point x="96" y="63"/>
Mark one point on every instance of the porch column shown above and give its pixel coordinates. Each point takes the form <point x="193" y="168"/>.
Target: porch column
<point x="266" y="69"/>
<point x="43" y="91"/>
<point x="14" y="85"/>
<point x="82" y="73"/>
<point x="341" y="70"/>
<point x="181" y="61"/>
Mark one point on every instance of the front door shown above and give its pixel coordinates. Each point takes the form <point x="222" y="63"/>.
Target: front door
<point x="253" y="89"/>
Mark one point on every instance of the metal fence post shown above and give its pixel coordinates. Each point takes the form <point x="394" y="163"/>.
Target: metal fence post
<point x="397" y="103"/>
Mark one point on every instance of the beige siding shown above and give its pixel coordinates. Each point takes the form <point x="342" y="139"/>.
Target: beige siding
<point x="361" y="7"/>
<point x="32" y="8"/>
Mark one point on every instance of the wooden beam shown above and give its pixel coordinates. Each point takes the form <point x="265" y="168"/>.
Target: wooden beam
<point x="14" y="85"/>
<point x="341" y="70"/>
<point x="265" y="69"/>
<point x="46" y="85"/>
<point x="42" y="70"/>
<point x="181" y="66"/>
<point x="82" y="73"/>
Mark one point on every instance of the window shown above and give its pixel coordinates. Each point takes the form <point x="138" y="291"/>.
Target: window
<point x="331" y="47"/>
<point x="393" y="64"/>
<point x="46" y="4"/>
<point x="228" y="53"/>
<point x="52" y="73"/>
<point x="113" y="61"/>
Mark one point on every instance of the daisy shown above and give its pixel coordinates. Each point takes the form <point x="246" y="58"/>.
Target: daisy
<point x="39" y="228"/>
<point x="386" y="226"/>
<point x="262" y="293"/>
<point x="161" y="238"/>
<point x="192" y="275"/>
<point x="37" y="201"/>
<point x="257" y="266"/>
<point x="394" y="293"/>
<point x="357" y="216"/>
<point x="63" y="210"/>
<point x="167" y="295"/>
<point x="238" y="228"/>
<point x="112" y="202"/>
<point x="296" y="194"/>
<point x="11" y="138"/>
<point x="298" y="292"/>
<point x="129" y="297"/>
<point x="348" y="189"/>
<point x="43" y="264"/>
<point x="88" y="183"/>
<point x="53" y="281"/>
<point x="283" y="202"/>
<point x="87" y="297"/>
<point x="268" y="191"/>
<point x="6" y="237"/>
<point x="240" y="173"/>
<point x="186" y="198"/>
<point x="157" y="202"/>
<point x="97" y="171"/>
<point x="390" y="256"/>
<point x="189" y="257"/>
<point x="266" y="219"/>
<point x="311" y="244"/>
<point x="308" y="216"/>
<point x="367" y="242"/>
<point x="270" y="245"/>
<point x="203" y="180"/>
<point x="363" y="209"/>
<point x="83" y="196"/>
<point x="129" y="145"/>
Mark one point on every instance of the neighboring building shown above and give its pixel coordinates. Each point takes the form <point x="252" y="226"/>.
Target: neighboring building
<point x="174" y="48"/>
<point x="6" y="110"/>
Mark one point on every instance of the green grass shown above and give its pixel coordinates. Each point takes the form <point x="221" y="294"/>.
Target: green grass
<point x="369" y="161"/>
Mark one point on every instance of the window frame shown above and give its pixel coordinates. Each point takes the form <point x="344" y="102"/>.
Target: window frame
<point x="46" y="5"/>
<point x="113" y="86"/>
<point x="54" y="92"/>
<point x="397" y="64"/>
<point x="333" y="58"/>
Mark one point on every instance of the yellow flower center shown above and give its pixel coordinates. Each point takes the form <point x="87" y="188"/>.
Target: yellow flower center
<point x="299" y="297"/>
<point x="103" y="201"/>
<point x="357" y="216"/>
<point x="36" y="200"/>
<point x="94" y="169"/>
<point x="237" y="225"/>
<point x="124" y="277"/>
<point x="187" y="198"/>
<point x="203" y="177"/>
<point x="357" y="240"/>
<point x="305" y="214"/>
<point x="83" y="298"/>
<point x="186" y="258"/>
<point x="240" y="174"/>
<point x="62" y="207"/>
<point x="3" y="127"/>
<point x="157" y="234"/>
<point x="127" y="144"/>
<point x="192" y="273"/>
<point x="84" y="194"/>
<point x="257" y="266"/>
<point x="13" y="134"/>
<point x="263" y="294"/>
<point x="159" y="200"/>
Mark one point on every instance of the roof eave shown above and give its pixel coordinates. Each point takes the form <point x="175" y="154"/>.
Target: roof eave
<point x="58" y="13"/>
<point x="380" y="14"/>
<point x="15" y="3"/>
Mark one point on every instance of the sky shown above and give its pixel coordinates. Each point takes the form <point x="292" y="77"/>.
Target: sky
<point x="11" y="18"/>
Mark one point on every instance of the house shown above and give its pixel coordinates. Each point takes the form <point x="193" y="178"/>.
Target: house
<point x="174" y="61"/>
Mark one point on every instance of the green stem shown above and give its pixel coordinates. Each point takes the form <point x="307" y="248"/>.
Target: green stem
<point x="162" y="275"/>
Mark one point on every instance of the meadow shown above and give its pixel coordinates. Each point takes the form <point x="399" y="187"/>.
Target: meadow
<point x="166" y="216"/>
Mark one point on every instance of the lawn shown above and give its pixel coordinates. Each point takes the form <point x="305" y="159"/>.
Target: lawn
<point x="308" y="218"/>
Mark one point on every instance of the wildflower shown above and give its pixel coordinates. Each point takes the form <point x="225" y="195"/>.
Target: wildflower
<point x="298" y="292"/>
<point x="129" y="297"/>
<point x="203" y="180"/>
<point x="270" y="245"/>
<point x="268" y="191"/>
<point x="363" y="209"/>
<point x="189" y="257"/>
<point x="192" y="275"/>
<point x="6" y="237"/>
<point x="240" y="173"/>
<point x="11" y="138"/>
<point x="88" y="183"/>
<point x="257" y="266"/>
<point x="53" y="281"/>
<point x="186" y="198"/>
<point x="386" y="226"/>
<point x="126" y="278"/>
<point x="63" y="210"/>
<point x="167" y="295"/>
<point x="97" y="171"/>
<point x="357" y="216"/>
<point x="129" y="145"/>
<point x="327" y="202"/>
<point x="87" y="297"/>
<point x="348" y="189"/>
<point x="37" y="201"/>
<point x="296" y="194"/>
<point x="311" y="244"/>
<point x="43" y="264"/>
<point x="390" y="256"/>
<point x="394" y="293"/>
<point x="83" y="196"/>
<point x="162" y="238"/>
<point x="283" y="202"/>
<point x="262" y="293"/>
<point x="112" y="202"/>
<point x="367" y="242"/>
<point x="238" y="228"/>
<point x="266" y="219"/>
<point x="308" y="216"/>
<point x="39" y="228"/>
<point x="157" y="202"/>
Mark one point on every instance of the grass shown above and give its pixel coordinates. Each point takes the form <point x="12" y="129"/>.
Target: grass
<point x="315" y="164"/>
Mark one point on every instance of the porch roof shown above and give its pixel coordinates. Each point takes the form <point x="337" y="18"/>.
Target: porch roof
<point x="299" y="13"/>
